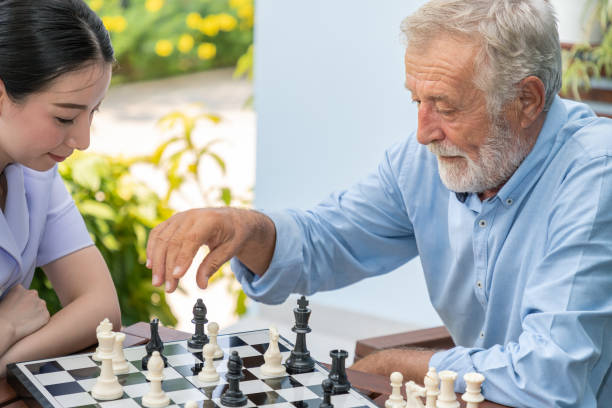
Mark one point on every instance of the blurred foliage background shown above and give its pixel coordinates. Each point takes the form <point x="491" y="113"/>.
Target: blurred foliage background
<point x="584" y="60"/>
<point x="159" y="38"/>
<point x="154" y="39"/>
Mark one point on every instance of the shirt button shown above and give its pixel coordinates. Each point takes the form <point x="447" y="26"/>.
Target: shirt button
<point x="482" y="335"/>
<point x="479" y="284"/>
<point x="509" y="201"/>
<point x="482" y="223"/>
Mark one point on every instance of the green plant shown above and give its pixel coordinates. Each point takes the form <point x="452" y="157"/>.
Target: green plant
<point x="120" y="211"/>
<point x="586" y="61"/>
<point x="158" y="38"/>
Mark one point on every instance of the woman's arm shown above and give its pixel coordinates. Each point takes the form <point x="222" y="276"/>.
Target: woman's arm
<point x="85" y="289"/>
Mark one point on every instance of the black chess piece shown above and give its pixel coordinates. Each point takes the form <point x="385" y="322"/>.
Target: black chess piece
<point x="197" y="367"/>
<point x="327" y="385"/>
<point x="300" y="360"/>
<point x="154" y="344"/>
<point x="337" y="375"/>
<point x="199" y="338"/>
<point x="233" y="397"/>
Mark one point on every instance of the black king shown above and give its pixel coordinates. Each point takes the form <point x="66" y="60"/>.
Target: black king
<point x="300" y="361"/>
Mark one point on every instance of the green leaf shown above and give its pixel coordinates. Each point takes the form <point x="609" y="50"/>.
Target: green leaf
<point x="97" y="209"/>
<point x="226" y="195"/>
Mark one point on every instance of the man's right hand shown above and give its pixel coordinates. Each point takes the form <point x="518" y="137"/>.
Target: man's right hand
<point x="23" y="312"/>
<point x="227" y="232"/>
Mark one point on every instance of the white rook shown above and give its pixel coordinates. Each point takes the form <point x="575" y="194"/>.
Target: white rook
<point x="472" y="395"/>
<point x="447" y="398"/>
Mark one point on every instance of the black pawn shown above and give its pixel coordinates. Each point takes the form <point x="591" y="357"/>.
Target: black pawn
<point x="300" y="360"/>
<point x="154" y="344"/>
<point x="327" y="393"/>
<point x="233" y="397"/>
<point x="337" y="375"/>
<point x="199" y="339"/>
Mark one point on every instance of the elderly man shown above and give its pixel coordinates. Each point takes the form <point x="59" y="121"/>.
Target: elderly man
<point x="505" y="192"/>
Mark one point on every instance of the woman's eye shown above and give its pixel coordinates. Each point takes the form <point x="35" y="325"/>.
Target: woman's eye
<point x="64" y="121"/>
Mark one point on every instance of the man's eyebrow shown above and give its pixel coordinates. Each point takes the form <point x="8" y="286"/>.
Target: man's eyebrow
<point x="70" y="105"/>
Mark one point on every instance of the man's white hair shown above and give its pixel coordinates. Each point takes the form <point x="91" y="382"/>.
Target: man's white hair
<point x="517" y="39"/>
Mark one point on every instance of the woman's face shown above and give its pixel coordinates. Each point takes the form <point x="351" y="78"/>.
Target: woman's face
<point x="47" y="126"/>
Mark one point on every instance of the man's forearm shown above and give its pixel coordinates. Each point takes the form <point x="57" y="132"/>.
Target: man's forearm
<point x="412" y="363"/>
<point x="258" y="250"/>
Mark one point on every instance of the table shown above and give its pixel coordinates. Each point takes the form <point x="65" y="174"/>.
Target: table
<point x="376" y="387"/>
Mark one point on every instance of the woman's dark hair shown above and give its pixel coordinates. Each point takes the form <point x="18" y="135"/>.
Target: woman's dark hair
<point x="43" y="39"/>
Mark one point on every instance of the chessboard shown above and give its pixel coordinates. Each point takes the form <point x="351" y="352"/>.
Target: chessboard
<point x="66" y="382"/>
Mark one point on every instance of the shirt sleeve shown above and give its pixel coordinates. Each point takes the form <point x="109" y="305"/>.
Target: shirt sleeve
<point x="65" y="230"/>
<point x="564" y="353"/>
<point x="354" y="234"/>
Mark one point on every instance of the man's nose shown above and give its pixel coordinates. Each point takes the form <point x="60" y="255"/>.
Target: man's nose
<point x="429" y="127"/>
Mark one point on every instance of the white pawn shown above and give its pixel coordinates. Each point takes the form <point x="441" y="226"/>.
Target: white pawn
<point x="208" y="373"/>
<point x="105" y="326"/>
<point x="213" y="332"/>
<point x="447" y="398"/>
<point x="155" y="398"/>
<point x="107" y="386"/>
<point x="413" y="395"/>
<point x="120" y="365"/>
<point x="395" y="399"/>
<point x="472" y="395"/>
<point x="272" y="357"/>
<point x="432" y="388"/>
<point x="191" y="404"/>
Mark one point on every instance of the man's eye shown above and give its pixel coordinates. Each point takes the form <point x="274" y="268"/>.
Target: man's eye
<point x="64" y="121"/>
<point x="418" y="103"/>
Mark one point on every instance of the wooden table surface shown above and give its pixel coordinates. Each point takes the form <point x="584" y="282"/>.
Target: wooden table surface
<point x="376" y="387"/>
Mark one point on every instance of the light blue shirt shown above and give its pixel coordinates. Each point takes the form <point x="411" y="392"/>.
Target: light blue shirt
<point x="40" y="224"/>
<point x="523" y="280"/>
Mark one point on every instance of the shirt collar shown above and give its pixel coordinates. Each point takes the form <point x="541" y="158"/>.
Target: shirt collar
<point x="15" y="222"/>
<point x="531" y="168"/>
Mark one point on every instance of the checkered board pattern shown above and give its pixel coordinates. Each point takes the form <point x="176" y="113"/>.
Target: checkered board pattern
<point x="66" y="382"/>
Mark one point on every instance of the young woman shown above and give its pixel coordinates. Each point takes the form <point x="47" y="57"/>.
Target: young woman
<point x="55" y="68"/>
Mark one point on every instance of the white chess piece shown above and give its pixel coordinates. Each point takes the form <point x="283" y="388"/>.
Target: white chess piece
<point x="272" y="357"/>
<point x="107" y="386"/>
<point x="156" y="397"/>
<point x="413" y="394"/>
<point x="396" y="400"/>
<point x="208" y="373"/>
<point x="105" y="326"/>
<point x="472" y="395"/>
<point x="191" y="404"/>
<point x="447" y="397"/>
<point x="432" y="388"/>
<point x="213" y="332"/>
<point x="120" y="365"/>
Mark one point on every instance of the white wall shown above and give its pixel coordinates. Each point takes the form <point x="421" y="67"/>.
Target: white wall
<point x="329" y="99"/>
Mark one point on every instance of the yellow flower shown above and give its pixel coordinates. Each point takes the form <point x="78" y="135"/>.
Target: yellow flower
<point x="238" y="3"/>
<point x="246" y="11"/>
<point x="193" y="20"/>
<point x="96" y="4"/>
<point x="114" y="23"/>
<point x="207" y="51"/>
<point x="226" y="22"/>
<point x="154" y="5"/>
<point x="120" y="23"/>
<point x="163" y="48"/>
<point x="209" y="26"/>
<point x="185" y="43"/>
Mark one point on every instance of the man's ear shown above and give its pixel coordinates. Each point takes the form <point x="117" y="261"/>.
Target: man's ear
<point x="531" y="99"/>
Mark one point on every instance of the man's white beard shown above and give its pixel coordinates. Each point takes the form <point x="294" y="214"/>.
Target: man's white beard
<point x="499" y="157"/>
